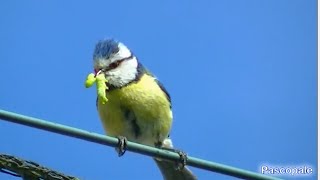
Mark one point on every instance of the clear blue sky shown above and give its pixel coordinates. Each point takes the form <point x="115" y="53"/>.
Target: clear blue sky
<point x="242" y="76"/>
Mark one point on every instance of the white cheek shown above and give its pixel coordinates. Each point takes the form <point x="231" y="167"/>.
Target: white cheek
<point x="125" y="73"/>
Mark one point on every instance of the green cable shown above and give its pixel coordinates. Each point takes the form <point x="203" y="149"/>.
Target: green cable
<point x="131" y="146"/>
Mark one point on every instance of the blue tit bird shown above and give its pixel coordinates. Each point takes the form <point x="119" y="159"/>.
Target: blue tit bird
<point x="138" y="106"/>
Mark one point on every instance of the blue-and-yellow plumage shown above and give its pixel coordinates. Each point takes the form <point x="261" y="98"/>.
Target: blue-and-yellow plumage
<point x="138" y="106"/>
<point x="139" y="110"/>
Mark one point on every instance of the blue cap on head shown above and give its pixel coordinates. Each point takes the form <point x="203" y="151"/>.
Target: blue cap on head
<point x="105" y="48"/>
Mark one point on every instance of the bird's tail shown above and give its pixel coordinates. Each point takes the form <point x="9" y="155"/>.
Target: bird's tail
<point x="169" y="169"/>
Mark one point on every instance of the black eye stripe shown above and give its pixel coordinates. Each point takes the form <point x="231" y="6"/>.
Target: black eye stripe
<point x="117" y="63"/>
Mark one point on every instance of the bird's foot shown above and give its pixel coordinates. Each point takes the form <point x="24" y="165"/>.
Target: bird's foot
<point x="122" y="145"/>
<point x="182" y="162"/>
<point x="183" y="159"/>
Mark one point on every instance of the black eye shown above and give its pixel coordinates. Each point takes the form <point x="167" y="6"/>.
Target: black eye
<point x="114" y="64"/>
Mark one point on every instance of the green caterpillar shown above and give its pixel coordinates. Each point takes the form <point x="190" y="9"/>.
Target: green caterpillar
<point x="100" y="80"/>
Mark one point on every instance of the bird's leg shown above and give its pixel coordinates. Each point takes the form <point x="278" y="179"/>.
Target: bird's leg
<point x="122" y="145"/>
<point x="183" y="159"/>
<point x="182" y="162"/>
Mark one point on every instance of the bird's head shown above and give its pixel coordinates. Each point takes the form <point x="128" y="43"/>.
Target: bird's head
<point x="116" y="61"/>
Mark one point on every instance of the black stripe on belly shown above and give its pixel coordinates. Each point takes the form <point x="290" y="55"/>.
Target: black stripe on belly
<point x="132" y="120"/>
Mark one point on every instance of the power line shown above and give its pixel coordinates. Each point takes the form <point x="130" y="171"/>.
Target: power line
<point x="29" y="170"/>
<point x="131" y="146"/>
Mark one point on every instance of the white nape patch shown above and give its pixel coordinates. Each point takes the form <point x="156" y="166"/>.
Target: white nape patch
<point x="124" y="73"/>
<point x="123" y="52"/>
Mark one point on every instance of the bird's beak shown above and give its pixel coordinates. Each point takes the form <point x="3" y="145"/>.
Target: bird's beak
<point x="97" y="72"/>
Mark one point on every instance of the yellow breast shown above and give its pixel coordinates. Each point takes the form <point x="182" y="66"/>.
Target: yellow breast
<point x="149" y="105"/>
